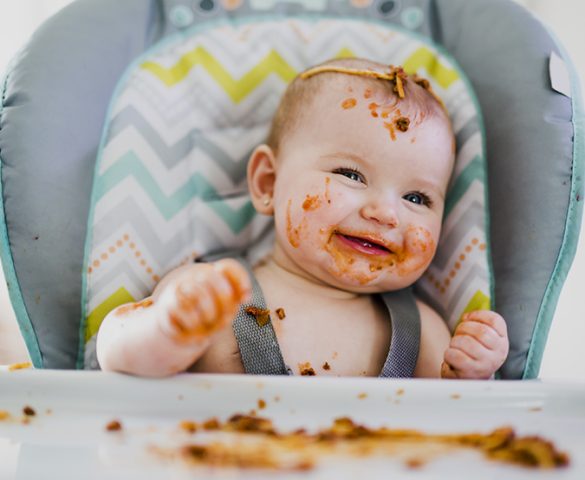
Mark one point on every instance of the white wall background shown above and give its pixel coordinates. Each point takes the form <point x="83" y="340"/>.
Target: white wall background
<point x="564" y="356"/>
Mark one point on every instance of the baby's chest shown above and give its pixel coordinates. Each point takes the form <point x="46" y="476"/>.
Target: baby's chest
<point x="329" y="337"/>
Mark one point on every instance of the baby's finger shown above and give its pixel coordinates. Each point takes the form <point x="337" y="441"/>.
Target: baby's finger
<point x="489" y="318"/>
<point x="460" y="362"/>
<point x="447" y="371"/>
<point x="481" y="332"/>
<point x="196" y="302"/>
<point x="237" y="276"/>
<point x="470" y="346"/>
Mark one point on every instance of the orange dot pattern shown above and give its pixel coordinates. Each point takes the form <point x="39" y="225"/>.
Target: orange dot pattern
<point x="119" y="244"/>
<point x="441" y="285"/>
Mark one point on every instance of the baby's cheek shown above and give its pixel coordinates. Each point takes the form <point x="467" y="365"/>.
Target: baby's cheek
<point x="419" y="250"/>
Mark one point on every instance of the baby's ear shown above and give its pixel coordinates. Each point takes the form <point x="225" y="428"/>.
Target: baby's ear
<point x="261" y="178"/>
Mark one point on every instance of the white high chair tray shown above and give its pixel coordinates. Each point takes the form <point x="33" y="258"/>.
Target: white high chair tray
<point x="67" y="439"/>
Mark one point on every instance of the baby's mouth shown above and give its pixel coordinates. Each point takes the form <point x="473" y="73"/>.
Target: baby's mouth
<point x="363" y="245"/>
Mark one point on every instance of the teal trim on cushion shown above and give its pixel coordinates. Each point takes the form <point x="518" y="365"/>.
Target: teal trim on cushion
<point x="212" y="24"/>
<point x="24" y="322"/>
<point x="572" y="227"/>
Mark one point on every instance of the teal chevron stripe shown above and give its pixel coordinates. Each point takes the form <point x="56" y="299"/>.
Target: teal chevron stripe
<point x="130" y="165"/>
<point x="473" y="171"/>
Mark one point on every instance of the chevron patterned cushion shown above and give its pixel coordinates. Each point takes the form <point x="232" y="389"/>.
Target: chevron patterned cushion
<point x="170" y="181"/>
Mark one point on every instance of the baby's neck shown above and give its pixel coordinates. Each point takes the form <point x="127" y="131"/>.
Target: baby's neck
<point x="284" y="271"/>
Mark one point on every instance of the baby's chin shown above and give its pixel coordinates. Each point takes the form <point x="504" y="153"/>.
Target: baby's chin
<point x="365" y="282"/>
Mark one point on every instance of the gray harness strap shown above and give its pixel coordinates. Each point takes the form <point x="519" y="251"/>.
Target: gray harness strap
<point x="405" y="342"/>
<point x="258" y="345"/>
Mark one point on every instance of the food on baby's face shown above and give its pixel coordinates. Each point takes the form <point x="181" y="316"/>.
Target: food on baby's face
<point x="280" y="313"/>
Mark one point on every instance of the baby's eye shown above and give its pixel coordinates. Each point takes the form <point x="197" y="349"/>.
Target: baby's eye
<point x="418" y="198"/>
<point x="350" y="173"/>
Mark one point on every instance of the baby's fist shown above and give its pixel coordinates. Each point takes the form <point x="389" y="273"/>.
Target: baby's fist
<point x="205" y="298"/>
<point x="479" y="346"/>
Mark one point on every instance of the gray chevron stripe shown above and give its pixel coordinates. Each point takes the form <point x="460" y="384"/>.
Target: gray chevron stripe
<point x="135" y="216"/>
<point x="468" y="130"/>
<point x="476" y="272"/>
<point x="427" y="294"/>
<point x="172" y="155"/>
<point x="109" y="279"/>
<point x="473" y="215"/>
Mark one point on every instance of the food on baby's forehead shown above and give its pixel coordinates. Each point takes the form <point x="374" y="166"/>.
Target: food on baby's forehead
<point x="262" y="315"/>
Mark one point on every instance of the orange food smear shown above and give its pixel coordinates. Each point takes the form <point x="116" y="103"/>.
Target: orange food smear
<point x="293" y="234"/>
<point x="348" y="103"/>
<point x="311" y="202"/>
<point x="388" y="126"/>
<point x="147" y="302"/>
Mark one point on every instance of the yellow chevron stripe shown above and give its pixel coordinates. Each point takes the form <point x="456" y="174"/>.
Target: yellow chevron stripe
<point x="345" y="53"/>
<point x="479" y="301"/>
<point x="236" y="89"/>
<point x="423" y="57"/>
<point x="95" y="318"/>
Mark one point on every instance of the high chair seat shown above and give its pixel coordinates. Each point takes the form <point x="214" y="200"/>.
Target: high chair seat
<point x="125" y="127"/>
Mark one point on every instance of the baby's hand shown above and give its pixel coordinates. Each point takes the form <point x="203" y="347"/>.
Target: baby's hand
<point x="478" y="348"/>
<point x="204" y="299"/>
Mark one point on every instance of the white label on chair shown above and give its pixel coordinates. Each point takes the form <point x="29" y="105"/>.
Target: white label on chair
<point x="559" y="75"/>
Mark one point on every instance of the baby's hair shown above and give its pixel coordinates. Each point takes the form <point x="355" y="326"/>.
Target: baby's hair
<point x="413" y="94"/>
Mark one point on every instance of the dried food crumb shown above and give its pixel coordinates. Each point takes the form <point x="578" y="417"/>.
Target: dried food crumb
<point x="211" y="424"/>
<point x="261" y="404"/>
<point x="262" y="315"/>
<point x="415" y="463"/>
<point x="188" y="426"/>
<point x="114" y="426"/>
<point x="4" y="415"/>
<point x="280" y="313"/>
<point x="326" y="366"/>
<point x="400" y="391"/>
<point x="455" y="396"/>
<point x="361" y="396"/>
<point x="19" y="366"/>
<point x="535" y="409"/>
<point x="306" y="369"/>
<point x="29" y="411"/>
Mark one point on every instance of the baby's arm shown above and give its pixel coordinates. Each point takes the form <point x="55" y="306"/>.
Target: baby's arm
<point x="167" y="332"/>
<point x="478" y="348"/>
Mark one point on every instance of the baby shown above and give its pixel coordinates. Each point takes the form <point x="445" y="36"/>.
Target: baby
<point x="354" y="171"/>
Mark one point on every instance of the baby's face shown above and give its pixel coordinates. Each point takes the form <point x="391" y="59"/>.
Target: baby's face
<point x="358" y="203"/>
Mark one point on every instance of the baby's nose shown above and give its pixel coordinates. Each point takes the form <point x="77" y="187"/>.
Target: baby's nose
<point x="383" y="214"/>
